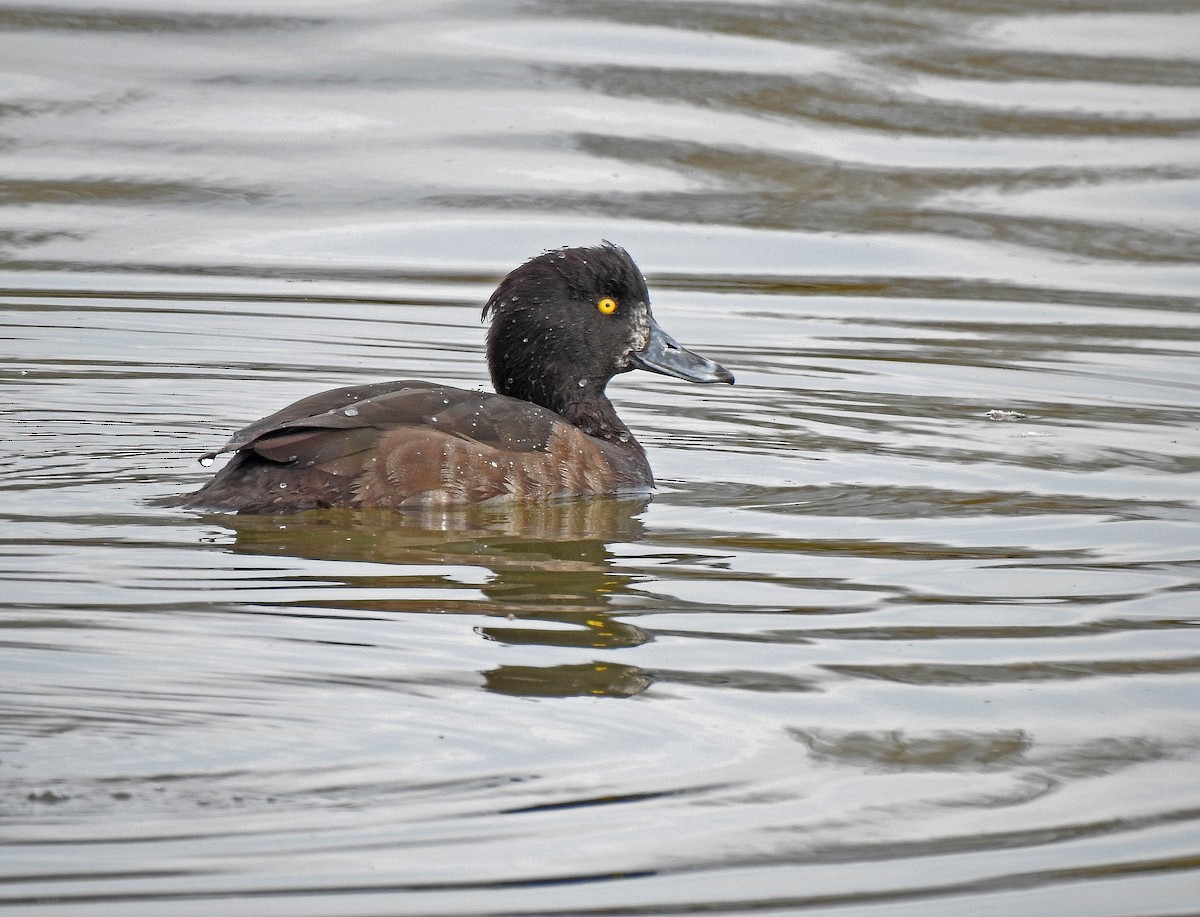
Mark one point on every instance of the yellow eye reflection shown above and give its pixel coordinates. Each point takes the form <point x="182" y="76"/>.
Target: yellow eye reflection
<point x="607" y="305"/>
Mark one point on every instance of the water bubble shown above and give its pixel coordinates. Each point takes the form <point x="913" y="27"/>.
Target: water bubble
<point x="350" y="411"/>
<point x="283" y="485"/>
<point x="583" y="382"/>
<point x="207" y="461"/>
<point x="623" y="437"/>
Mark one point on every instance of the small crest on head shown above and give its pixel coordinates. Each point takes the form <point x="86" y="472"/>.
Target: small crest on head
<point x="602" y="274"/>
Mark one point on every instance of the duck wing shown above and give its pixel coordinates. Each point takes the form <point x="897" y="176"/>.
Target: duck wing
<point x="408" y="442"/>
<point x="347" y="421"/>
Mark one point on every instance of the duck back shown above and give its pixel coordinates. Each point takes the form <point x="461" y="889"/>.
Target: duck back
<point x="410" y="443"/>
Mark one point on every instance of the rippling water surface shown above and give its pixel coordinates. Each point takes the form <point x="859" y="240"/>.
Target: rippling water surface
<point x="910" y="626"/>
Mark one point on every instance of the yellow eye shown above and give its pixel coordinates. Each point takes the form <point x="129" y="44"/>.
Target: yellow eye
<point x="607" y="306"/>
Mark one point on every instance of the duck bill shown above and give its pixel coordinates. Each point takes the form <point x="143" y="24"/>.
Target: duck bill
<point x="663" y="354"/>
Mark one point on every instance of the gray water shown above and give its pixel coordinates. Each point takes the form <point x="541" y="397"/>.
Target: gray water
<point x="910" y="626"/>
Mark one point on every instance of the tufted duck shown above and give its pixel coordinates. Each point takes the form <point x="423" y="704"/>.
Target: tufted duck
<point x="563" y="324"/>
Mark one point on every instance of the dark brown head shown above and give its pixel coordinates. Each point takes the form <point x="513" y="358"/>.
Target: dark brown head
<point x="564" y="323"/>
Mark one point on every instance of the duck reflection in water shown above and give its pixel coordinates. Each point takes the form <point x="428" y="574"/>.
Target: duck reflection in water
<point x="545" y="562"/>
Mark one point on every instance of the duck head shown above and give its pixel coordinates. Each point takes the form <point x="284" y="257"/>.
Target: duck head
<point x="564" y="323"/>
